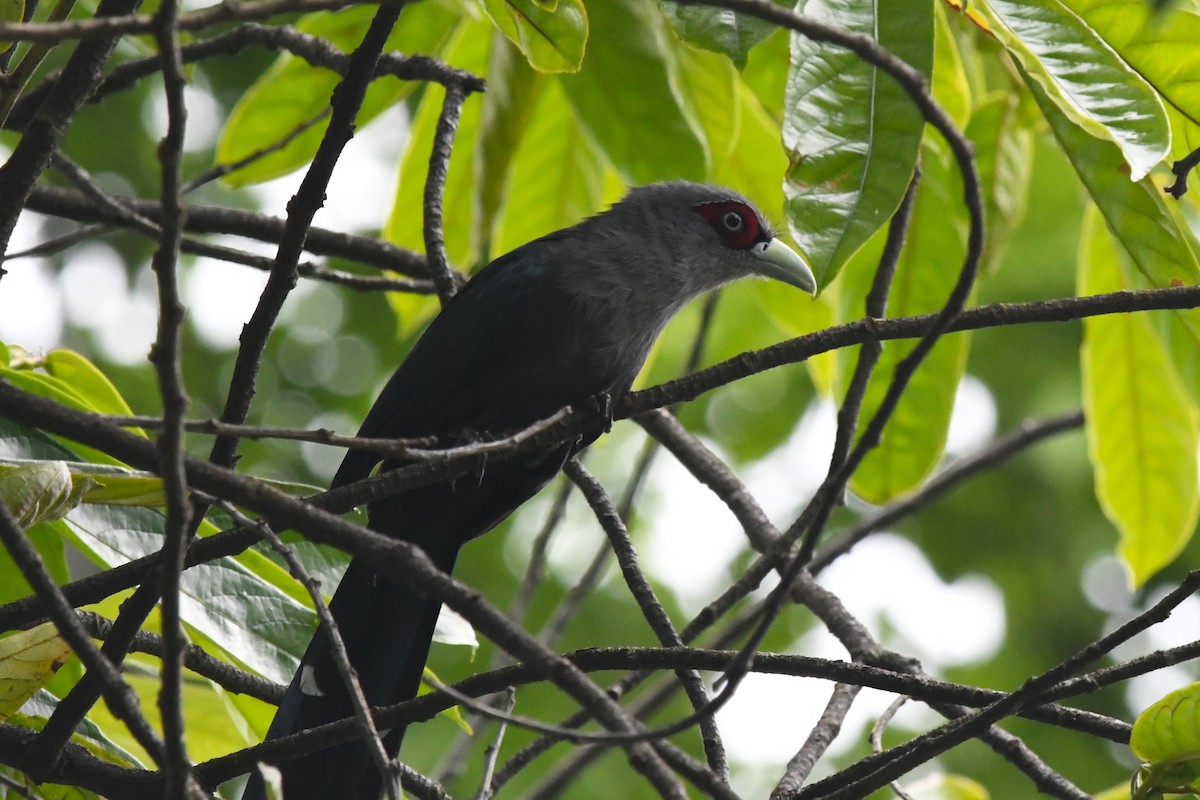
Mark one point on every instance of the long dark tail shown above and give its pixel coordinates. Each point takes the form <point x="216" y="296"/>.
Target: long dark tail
<point x="387" y="629"/>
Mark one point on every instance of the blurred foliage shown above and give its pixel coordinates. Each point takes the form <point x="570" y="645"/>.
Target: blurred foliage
<point x="1074" y="108"/>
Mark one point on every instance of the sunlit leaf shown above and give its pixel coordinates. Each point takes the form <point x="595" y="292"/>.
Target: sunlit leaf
<point x="1161" y="47"/>
<point x="252" y="621"/>
<point x="1083" y="77"/>
<point x="513" y="92"/>
<point x="552" y="37"/>
<point x="1167" y="735"/>
<point x="649" y="134"/>
<point x="85" y="378"/>
<point x="710" y="81"/>
<point x="951" y="89"/>
<point x="559" y="171"/>
<point x="27" y="660"/>
<point x="281" y="112"/>
<point x="468" y="50"/>
<point x="931" y="261"/>
<point x="1004" y="158"/>
<point x="1142" y="425"/>
<point x="851" y="132"/>
<point x="1160" y="247"/>
<point x="61" y="391"/>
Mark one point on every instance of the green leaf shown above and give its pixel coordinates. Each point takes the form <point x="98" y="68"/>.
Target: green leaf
<point x="649" y="134"/>
<point x="467" y="50"/>
<point x="1159" y="245"/>
<point x="41" y="706"/>
<point x="1004" y="157"/>
<point x="852" y="134"/>
<point x="710" y="81"/>
<point x="253" y="622"/>
<point x="1083" y="77"/>
<point x="951" y="89"/>
<point x="508" y="104"/>
<point x="88" y="382"/>
<point x="39" y="491"/>
<point x="64" y="392"/>
<point x="1142" y="426"/>
<point x="28" y="659"/>
<point x="553" y="37"/>
<point x="293" y="94"/>
<point x="1161" y="47"/>
<point x="915" y="436"/>
<point x="718" y="29"/>
<point x="1135" y="211"/>
<point x="1167" y="735"/>
<point x="12" y="11"/>
<point x="559" y="172"/>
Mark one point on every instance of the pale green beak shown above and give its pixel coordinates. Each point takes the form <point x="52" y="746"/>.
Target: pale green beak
<point x="782" y="263"/>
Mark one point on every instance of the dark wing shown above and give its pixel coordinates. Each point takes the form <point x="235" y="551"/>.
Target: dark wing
<point x="509" y="349"/>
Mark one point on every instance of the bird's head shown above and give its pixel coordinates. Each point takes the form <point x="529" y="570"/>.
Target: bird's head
<point x="714" y="235"/>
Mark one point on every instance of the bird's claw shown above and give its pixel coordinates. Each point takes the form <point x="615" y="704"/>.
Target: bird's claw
<point x="601" y="404"/>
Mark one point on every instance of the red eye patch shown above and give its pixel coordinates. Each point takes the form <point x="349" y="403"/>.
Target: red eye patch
<point x="736" y="223"/>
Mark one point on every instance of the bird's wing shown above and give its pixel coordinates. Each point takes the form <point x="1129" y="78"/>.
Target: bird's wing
<point x="509" y="349"/>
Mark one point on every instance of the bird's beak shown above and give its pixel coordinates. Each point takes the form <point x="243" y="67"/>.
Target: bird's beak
<point x="782" y="263"/>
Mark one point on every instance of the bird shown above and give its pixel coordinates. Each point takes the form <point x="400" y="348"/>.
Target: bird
<point x="565" y="320"/>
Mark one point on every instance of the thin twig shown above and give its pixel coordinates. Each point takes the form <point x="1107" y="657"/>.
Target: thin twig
<point x="435" y="185"/>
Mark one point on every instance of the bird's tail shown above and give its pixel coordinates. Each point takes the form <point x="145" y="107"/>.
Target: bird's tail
<point x="387" y="628"/>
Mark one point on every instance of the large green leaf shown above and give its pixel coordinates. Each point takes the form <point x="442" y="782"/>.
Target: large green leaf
<point x="914" y="437"/>
<point x="553" y="37"/>
<point x="1167" y="735"/>
<point x="1134" y="211"/>
<point x="851" y="132"/>
<point x="1142" y="424"/>
<point x="39" y="491"/>
<point x="628" y="95"/>
<point x="253" y="622"/>
<point x="27" y="661"/>
<point x="710" y="81"/>
<point x="19" y="443"/>
<point x="1160" y="246"/>
<point x="42" y="705"/>
<point x="1004" y="158"/>
<point x="1083" y="77"/>
<point x="468" y="50"/>
<point x="72" y="380"/>
<point x="951" y="87"/>
<point x="508" y="104"/>
<point x="718" y="29"/>
<point x="1161" y="46"/>
<point x="557" y="174"/>
<point x="293" y="93"/>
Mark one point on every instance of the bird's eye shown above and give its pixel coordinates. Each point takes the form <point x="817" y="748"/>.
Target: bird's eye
<point x="736" y="223"/>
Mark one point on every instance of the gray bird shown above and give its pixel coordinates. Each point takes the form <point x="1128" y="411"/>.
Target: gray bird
<point x="564" y="320"/>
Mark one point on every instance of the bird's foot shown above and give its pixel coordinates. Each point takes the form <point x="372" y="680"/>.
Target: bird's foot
<point x="465" y="438"/>
<point x="601" y="404"/>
